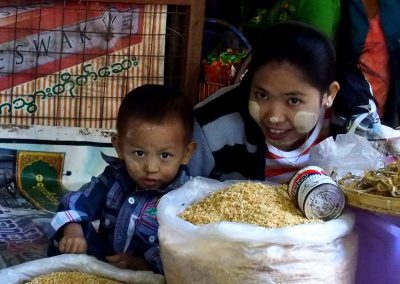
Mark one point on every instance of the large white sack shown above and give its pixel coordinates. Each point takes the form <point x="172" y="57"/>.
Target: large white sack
<point x="230" y="252"/>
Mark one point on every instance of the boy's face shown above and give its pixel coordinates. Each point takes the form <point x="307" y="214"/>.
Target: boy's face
<point x="152" y="152"/>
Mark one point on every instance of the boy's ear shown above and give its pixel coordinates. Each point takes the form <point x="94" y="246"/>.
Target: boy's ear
<point x="190" y="148"/>
<point x="116" y="143"/>
<point x="332" y="91"/>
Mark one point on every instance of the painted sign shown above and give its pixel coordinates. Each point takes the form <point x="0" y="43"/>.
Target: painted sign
<point x="58" y="36"/>
<point x="70" y="63"/>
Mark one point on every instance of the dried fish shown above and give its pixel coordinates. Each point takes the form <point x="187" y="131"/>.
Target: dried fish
<point x="384" y="181"/>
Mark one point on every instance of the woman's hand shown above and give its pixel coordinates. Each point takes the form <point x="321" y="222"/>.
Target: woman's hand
<point x="73" y="240"/>
<point x="123" y="260"/>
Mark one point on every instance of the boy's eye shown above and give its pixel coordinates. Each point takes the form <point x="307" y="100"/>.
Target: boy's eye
<point x="139" y="153"/>
<point x="165" y="155"/>
<point x="294" y="101"/>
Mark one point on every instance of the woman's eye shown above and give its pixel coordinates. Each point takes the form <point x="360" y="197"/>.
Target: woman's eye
<point x="261" y="95"/>
<point x="139" y="153"/>
<point x="165" y="155"/>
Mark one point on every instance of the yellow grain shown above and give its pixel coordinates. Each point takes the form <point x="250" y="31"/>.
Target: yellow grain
<point x="71" y="277"/>
<point x="247" y="202"/>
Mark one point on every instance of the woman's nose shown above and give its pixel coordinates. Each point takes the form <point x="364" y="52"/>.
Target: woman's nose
<point x="274" y="114"/>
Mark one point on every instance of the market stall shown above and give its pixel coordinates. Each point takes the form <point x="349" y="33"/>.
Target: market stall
<point x="60" y="86"/>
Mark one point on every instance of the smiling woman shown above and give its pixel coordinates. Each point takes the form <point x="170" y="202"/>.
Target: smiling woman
<point x="286" y="109"/>
<point x="264" y="127"/>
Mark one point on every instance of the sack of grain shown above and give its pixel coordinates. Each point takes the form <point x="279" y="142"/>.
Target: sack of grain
<point x="29" y="271"/>
<point x="233" y="252"/>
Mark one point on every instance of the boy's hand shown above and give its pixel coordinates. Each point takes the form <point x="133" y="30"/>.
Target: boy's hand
<point x="73" y="240"/>
<point x="123" y="260"/>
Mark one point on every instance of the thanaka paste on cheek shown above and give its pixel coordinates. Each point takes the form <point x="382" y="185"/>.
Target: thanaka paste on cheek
<point x="304" y="121"/>
<point x="254" y="110"/>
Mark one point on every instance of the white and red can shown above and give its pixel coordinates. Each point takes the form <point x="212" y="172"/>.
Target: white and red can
<point x="316" y="193"/>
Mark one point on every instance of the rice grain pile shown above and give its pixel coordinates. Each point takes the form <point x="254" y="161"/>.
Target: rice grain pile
<point x="71" y="277"/>
<point x="247" y="202"/>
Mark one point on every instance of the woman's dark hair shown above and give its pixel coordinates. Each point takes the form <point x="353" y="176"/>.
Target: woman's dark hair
<point x="154" y="103"/>
<point x="298" y="44"/>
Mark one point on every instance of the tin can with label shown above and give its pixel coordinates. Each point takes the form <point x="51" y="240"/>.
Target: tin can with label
<point x="316" y="194"/>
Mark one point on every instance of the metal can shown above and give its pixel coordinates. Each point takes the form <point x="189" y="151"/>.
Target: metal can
<point x="316" y="194"/>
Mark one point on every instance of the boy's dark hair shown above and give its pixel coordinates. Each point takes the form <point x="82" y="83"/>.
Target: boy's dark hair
<point x="154" y="103"/>
<point x="299" y="44"/>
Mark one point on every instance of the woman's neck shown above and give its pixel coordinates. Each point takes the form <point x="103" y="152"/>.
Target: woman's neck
<point x="371" y="7"/>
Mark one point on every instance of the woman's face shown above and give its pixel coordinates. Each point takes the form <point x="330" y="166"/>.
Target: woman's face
<point x="285" y="105"/>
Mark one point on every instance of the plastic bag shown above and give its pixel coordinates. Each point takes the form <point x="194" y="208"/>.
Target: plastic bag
<point x="389" y="143"/>
<point x="75" y="262"/>
<point x="349" y="153"/>
<point x="230" y="252"/>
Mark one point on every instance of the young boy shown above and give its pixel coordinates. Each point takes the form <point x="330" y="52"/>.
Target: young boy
<point x="154" y="144"/>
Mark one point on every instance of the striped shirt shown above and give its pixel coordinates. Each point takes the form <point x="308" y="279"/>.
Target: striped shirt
<point x="280" y="165"/>
<point x="230" y="145"/>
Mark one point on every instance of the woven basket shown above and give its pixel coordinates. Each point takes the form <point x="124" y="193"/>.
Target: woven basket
<point x="372" y="202"/>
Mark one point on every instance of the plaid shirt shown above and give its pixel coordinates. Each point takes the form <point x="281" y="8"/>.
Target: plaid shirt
<point x="128" y="222"/>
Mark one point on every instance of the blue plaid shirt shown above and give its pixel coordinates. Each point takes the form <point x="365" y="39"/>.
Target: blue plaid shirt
<point x="128" y="222"/>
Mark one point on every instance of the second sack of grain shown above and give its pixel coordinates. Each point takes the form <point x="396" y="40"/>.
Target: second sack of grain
<point x="249" y="232"/>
